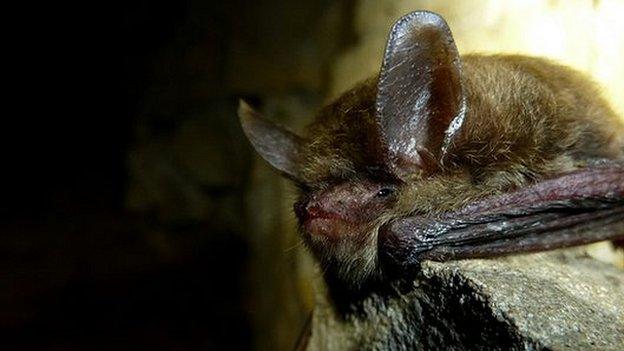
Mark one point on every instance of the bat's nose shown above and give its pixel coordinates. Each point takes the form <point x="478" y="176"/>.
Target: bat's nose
<point x="335" y="203"/>
<point x="319" y="222"/>
<point x="307" y="210"/>
<point x="315" y="211"/>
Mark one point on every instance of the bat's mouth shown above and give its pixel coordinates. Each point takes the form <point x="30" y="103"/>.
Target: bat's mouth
<point x="322" y="227"/>
<point x="327" y="226"/>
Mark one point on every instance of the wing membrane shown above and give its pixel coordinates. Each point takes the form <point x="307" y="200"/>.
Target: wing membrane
<point x="574" y="209"/>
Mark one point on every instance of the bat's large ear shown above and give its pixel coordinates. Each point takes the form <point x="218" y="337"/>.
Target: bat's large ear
<point x="277" y="145"/>
<point x="420" y="102"/>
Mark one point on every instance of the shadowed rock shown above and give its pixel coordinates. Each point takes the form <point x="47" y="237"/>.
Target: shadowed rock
<point x="555" y="301"/>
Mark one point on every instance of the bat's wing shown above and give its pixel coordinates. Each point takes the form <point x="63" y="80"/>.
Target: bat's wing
<point x="574" y="209"/>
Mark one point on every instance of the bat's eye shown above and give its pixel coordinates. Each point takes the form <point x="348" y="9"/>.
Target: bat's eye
<point x="384" y="192"/>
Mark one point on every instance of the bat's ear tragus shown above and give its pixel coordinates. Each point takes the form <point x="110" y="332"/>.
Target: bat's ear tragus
<point x="428" y="162"/>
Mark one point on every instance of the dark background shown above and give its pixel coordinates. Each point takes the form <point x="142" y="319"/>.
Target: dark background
<point x="79" y="268"/>
<point x="129" y="200"/>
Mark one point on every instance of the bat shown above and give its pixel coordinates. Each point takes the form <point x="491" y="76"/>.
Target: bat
<point x="444" y="157"/>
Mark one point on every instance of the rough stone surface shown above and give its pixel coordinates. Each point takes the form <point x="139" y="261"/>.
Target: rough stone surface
<point x="555" y="301"/>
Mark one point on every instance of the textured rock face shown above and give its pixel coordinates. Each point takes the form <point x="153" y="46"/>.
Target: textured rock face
<point x="556" y="301"/>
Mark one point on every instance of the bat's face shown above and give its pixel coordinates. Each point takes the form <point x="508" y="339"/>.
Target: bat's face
<point x="343" y="210"/>
<point x="347" y="190"/>
<point x="339" y="223"/>
<point x="363" y="149"/>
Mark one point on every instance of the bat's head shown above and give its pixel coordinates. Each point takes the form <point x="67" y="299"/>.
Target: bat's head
<point x="363" y="150"/>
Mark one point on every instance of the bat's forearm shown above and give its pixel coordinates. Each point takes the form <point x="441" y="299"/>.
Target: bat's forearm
<point x="573" y="209"/>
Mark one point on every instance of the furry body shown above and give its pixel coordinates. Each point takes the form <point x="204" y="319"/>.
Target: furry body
<point x="528" y="119"/>
<point x="527" y="116"/>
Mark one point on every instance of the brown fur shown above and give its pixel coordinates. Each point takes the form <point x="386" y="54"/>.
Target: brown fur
<point x="527" y="118"/>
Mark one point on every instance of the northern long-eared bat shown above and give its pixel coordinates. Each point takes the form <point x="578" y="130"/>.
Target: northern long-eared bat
<point x="442" y="157"/>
